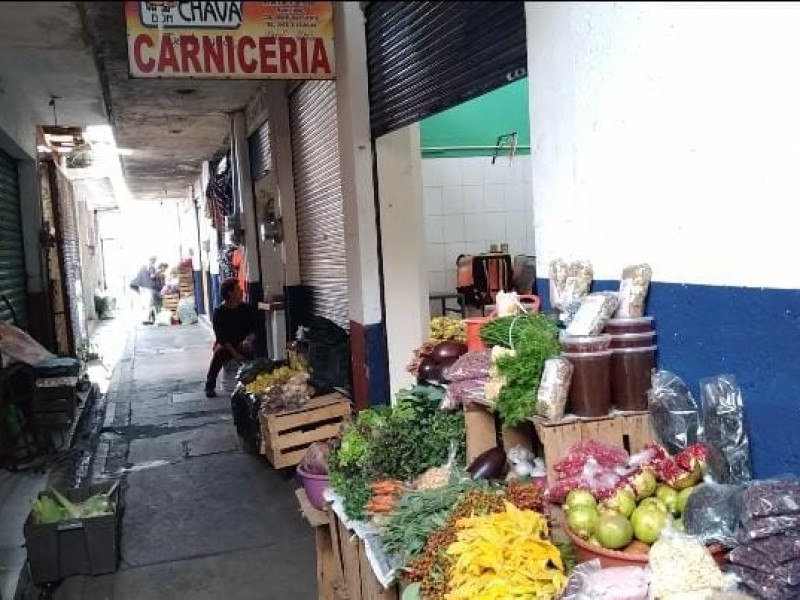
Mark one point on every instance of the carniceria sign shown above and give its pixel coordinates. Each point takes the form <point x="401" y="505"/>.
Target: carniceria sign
<point x="230" y="40"/>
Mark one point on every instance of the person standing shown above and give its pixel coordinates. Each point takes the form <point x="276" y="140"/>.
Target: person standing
<point x="234" y="328"/>
<point x="143" y="285"/>
<point x="159" y="281"/>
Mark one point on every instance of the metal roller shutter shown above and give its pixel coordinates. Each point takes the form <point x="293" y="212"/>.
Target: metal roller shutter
<point x="12" y="251"/>
<point x="70" y="243"/>
<point x="425" y="57"/>
<point x="318" y="198"/>
<point x="260" y="152"/>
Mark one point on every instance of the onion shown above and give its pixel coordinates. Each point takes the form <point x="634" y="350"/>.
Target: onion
<point x="449" y="350"/>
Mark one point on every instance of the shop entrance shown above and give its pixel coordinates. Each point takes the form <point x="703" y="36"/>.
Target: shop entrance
<point x="449" y="120"/>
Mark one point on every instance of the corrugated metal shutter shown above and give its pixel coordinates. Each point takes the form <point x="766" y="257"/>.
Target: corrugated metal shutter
<point x="318" y="198"/>
<point x="260" y="152"/>
<point x="425" y="57"/>
<point x="70" y="243"/>
<point x="12" y="251"/>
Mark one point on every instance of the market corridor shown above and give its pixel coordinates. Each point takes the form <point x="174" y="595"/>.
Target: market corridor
<point x="202" y="520"/>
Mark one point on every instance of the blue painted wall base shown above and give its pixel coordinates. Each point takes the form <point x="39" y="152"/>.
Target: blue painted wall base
<point x="752" y="333"/>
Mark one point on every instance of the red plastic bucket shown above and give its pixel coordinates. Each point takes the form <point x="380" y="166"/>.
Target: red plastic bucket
<point x="474" y="341"/>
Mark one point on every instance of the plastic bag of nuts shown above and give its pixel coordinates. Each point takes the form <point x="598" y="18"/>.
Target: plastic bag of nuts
<point x="633" y="288"/>
<point x="551" y="398"/>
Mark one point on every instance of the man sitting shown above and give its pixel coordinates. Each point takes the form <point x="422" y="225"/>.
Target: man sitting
<point x="234" y="328"/>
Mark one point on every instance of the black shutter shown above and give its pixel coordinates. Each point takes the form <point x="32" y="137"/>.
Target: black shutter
<point x="260" y="152"/>
<point x="12" y="252"/>
<point x="425" y="57"/>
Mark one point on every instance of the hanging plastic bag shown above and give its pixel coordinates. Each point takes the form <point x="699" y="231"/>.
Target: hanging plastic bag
<point x="674" y="413"/>
<point x="712" y="513"/>
<point x="723" y="424"/>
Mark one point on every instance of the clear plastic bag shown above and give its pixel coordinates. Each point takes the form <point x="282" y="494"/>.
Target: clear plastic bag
<point x="763" y="527"/>
<point x="767" y="586"/>
<point x="472" y="365"/>
<point x="780" y="548"/>
<point x="595" y="311"/>
<point x="712" y="513"/>
<point x="569" y="282"/>
<point x="551" y="399"/>
<point x="772" y="497"/>
<point x="673" y="412"/>
<point x="682" y="564"/>
<point x="723" y="424"/>
<point x="749" y="557"/>
<point x="633" y="288"/>
<point x="590" y="581"/>
<point x="463" y="393"/>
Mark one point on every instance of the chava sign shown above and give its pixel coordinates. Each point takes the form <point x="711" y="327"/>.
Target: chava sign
<point x="230" y="40"/>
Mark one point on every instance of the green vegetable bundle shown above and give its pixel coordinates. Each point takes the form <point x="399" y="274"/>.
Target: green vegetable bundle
<point x="417" y="514"/>
<point x="52" y="509"/>
<point x="534" y="339"/>
<point x="397" y="443"/>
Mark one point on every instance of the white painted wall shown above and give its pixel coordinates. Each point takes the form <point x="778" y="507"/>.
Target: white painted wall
<point x="667" y="133"/>
<point x="355" y="155"/>
<point x="402" y="241"/>
<point x="469" y="205"/>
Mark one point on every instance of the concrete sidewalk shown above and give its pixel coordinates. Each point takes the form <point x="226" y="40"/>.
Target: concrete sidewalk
<point x="203" y="520"/>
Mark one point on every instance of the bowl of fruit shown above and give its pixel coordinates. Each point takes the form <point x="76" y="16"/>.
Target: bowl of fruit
<point x="620" y="530"/>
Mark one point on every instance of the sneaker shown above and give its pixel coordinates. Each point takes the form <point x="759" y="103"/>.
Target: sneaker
<point x="210" y="393"/>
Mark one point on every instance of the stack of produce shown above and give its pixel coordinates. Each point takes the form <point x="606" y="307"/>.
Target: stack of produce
<point x="385" y="495"/>
<point x="433" y="356"/>
<point x="467" y="379"/>
<point x="523" y="344"/>
<point x="490" y="543"/>
<point x="400" y="443"/>
<point x="768" y="559"/>
<point x="620" y="502"/>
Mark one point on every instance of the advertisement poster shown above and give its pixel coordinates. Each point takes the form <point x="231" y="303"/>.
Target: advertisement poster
<point x="230" y="40"/>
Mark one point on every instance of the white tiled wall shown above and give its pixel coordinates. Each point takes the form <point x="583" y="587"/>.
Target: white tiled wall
<point x="470" y="204"/>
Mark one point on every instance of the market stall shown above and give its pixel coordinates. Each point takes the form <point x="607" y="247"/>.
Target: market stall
<point x="547" y="456"/>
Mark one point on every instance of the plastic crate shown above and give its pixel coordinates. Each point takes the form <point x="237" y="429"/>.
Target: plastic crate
<point x="75" y="547"/>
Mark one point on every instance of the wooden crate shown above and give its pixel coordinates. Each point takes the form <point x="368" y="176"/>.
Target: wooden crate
<point x="632" y="431"/>
<point x="330" y="583"/>
<point x="170" y="301"/>
<point x="481" y="430"/>
<point x="286" y="435"/>
<point x="350" y="560"/>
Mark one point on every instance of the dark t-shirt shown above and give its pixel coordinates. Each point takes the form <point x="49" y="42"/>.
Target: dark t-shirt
<point x="232" y="325"/>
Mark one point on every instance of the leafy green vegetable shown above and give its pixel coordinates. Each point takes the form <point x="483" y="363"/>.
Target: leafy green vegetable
<point x="397" y="443"/>
<point x="417" y="514"/>
<point x="535" y="339"/>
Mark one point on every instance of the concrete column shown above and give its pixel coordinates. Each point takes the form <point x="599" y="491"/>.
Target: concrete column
<point x="281" y="141"/>
<point x="403" y="245"/>
<point x="367" y="331"/>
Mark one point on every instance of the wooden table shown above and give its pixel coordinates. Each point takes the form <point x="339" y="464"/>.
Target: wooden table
<point x="443" y="297"/>
<point x="330" y="585"/>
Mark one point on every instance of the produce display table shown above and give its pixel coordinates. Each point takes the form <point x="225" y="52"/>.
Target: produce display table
<point x="358" y="556"/>
<point x="287" y="434"/>
<point x="330" y="584"/>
